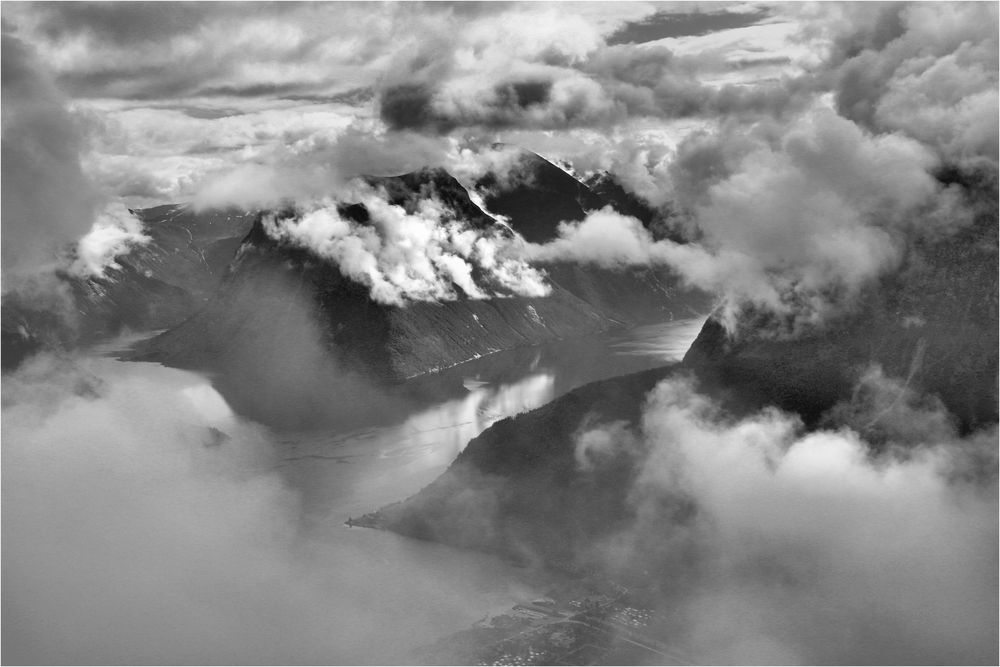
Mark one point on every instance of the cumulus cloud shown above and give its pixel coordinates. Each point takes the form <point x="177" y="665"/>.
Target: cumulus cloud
<point x="266" y="92"/>
<point x="925" y="95"/>
<point x="928" y="70"/>
<point x="504" y="163"/>
<point x="144" y="523"/>
<point x="114" y="233"/>
<point x="560" y="74"/>
<point x="798" y="540"/>
<point x="795" y="218"/>
<point x="419" y="255"/>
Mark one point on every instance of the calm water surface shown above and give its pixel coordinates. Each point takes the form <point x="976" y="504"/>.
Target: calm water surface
<point x="384" y="594"/>
<point x="346" y="474"/>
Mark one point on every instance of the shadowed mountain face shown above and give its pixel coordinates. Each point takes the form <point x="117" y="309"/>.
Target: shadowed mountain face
<point x="933" y="323"/>
<point x="515" y="490"/>
<point x="291" y="339"/>
<point x="536" y="196"/>
<point x="299" y="311"/>
<point x="408" y="190"/>
<point x="607" y="186"/>
<point x="155" y="286"/>
<point x="518" y="488"/>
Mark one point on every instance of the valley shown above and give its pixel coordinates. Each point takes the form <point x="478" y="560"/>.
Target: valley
<point x="519" y="333"/>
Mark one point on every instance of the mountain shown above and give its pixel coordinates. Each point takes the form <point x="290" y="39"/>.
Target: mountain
<point x="536" y="195"/>
<point x="282" y="308"/>
<point x="155" y="286"/>
<point x="607" y="186"/>
<point x="518" y="490"/>
<point x="932" y="323"/>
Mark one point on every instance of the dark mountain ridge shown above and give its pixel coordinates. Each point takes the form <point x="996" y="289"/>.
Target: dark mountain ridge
<point x="358" y="336"/>
<point x="536" y="195"/>
<point x="154" y="286"/>
<point x="517" y="489"/>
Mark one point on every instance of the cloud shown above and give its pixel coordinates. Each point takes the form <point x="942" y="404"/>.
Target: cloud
<point x="449" y="80"/>
<point x="883" y="409"/>
<point x="798" y="540"/>
<point x="316" y="166"/>
<point x="418" y="255"/>
<point x="505" y="163"/>
<point x="533" y="69"/>
<point x="594" y="446"/>
<point x="611" y="86"/>
<point x="794" y="217"/>
<point x="48" y="200"/>
<point x="927" y="70"/>
<point x="163" y="153"/>
<point x="433" y="68"/>
<point x="115" y="232"/>
<point x="148" y="51"/>
<point x="605" y="238"/>
<point x="144" y="523"/>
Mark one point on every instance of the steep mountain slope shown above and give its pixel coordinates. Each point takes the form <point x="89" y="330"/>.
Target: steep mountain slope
<point x="609" y="188"/>
<point x="536" y="195"/>
<point x="156" y="285"/>
<point x="292" y="341"/>
<point x="932" y="323"/>
<point x="518" y="488"/>
<point x="390" y="343"/>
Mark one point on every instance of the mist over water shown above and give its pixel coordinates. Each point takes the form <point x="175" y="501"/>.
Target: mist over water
<point x="344" y="474"/>
<point x="134" y="533"/>
<point x="145" y="522"/>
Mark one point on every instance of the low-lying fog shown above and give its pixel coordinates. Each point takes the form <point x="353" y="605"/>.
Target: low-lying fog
<point x="145" y="522"/>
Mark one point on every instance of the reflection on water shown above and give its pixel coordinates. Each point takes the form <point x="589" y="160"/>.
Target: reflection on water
<point x="668" y="341"/>
<point x="427" y="421"/>
<point x="352" y="473"/>
<point x="370" y="595"/>
<point x="122" y="343"/>
<point x="345" y="474"/>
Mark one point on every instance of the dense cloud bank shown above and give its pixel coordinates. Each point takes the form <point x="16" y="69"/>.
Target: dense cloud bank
<point x="854" y="106"/>
<point x="796" y="222"/>
<point x="145" y="523"/>
<point x="800" y="156"/>
<point x="419" y="255"/>
<point x="928" y="70"/>
<point x="807" y="547"/>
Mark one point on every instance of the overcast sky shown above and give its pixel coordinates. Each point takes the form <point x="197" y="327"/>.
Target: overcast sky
<point x="818" y="127"/>
<point x="167" y="95"/>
